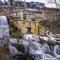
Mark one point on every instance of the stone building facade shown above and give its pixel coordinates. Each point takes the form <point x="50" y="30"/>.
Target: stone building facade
<point x="29" y="21"/>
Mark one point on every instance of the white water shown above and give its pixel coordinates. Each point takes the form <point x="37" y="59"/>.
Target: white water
<point x="46" y="48"/>
<point x="4" y="27"/>
<point x="13" y="50"/>
<point x="38" y="51"/>
<point x="57" y="50"/>
<point x="4" y="30"/>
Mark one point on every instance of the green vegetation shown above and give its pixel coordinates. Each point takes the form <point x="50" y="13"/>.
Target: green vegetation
<point x="14" y="32"/>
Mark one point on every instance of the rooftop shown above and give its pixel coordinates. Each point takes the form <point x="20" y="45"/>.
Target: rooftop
<point x="30" y="5"/>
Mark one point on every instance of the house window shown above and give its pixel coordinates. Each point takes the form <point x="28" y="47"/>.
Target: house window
<point x="24" y="23"/>
<point x="32" y="19"/>
<point x="24" y="17"/>
<point x="28" y="30"/>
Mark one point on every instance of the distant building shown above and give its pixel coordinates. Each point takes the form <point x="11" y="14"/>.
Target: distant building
<point x="35" y="17"/>
<point x="31" y="19"/>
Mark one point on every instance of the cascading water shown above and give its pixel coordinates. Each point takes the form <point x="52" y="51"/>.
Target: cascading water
<point x="4" y="30"/>
<point x="4" y="27"/>
<point x="13" y="50"/>
<point x="57" y="50"/>
<point x="46" y="48"/>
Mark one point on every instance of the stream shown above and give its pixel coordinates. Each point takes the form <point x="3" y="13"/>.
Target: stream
<point x="36" y="50"/>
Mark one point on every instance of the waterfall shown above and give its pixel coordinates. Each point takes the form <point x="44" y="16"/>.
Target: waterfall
<point x="4" y="27"/>
<point x="57" y="50"/>
<point x="13" y="50"/>
<point x="46" y="48"/>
